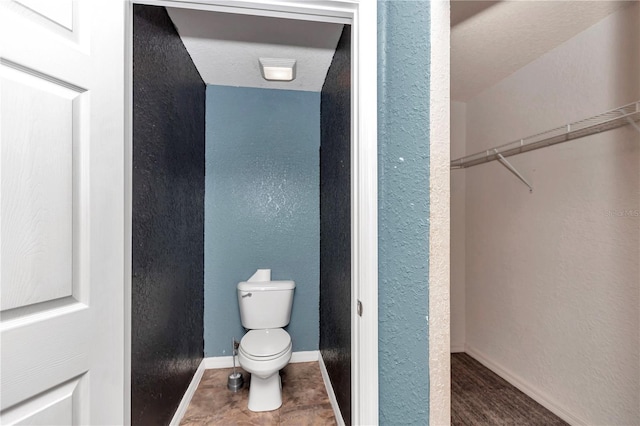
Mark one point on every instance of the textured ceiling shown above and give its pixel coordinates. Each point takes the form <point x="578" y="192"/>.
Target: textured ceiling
<point x="463" y="10"/>
<point x="491" y="40"/>
<point x="225" y="47"/>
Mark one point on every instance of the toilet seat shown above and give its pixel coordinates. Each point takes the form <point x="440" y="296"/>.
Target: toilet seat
<point x="265" y="345"/>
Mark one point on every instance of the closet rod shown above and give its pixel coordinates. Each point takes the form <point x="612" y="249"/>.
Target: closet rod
<point x="628" y="114"/>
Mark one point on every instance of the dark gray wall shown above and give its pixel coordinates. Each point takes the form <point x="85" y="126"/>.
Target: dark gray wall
<point x="335" y="223"/>
<point x="168" y="218"/>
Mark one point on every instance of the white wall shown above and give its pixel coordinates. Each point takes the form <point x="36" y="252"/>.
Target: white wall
<point x="552" y="278"/>
<point x="458" y="210"/>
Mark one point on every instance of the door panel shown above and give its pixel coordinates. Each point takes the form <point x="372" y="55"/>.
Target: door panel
<point x="61" y="212"/>
<point x="58" y="406"/>
<point x="59" y="12"/>
<point x="42" y="350"/>
<point x="37" y="188"/>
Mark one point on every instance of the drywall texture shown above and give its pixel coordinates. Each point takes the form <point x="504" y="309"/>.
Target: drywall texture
<point x="261" y="205"/>
<point x="335" y="223"/>
<point x="552" y="277"/>
<point x="225" y="47"/>
<point x="458" y="214"/>
<point x="439" y="216"/>
<point x="403" y="191"/>
<point x="168" y="218"/>
<point x="510" y="34"/>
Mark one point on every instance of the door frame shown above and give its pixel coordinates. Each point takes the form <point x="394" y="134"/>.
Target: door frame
<point x="362" y="16"/>
<point x="439" y="216"/>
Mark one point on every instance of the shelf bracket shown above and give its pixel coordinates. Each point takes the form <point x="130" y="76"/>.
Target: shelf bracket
<point x="512" y="169"/>
<point x="634" y="124"/>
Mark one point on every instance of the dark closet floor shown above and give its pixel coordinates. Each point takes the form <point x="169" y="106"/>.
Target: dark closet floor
<point x="481" y="397"/>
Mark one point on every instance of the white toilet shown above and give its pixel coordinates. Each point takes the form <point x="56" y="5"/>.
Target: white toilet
<point x="265" y="307"/>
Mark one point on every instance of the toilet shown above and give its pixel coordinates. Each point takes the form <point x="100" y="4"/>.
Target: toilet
<point x="265" y="307"/>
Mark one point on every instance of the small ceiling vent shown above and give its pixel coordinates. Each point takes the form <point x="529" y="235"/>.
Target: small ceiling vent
<point x="276" y="69"/>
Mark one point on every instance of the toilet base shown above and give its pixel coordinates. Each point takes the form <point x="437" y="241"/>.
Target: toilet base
<point x="265" y="394"/>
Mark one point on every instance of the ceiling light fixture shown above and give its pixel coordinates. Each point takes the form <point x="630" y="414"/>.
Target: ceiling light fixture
<point x="275" y="69"/>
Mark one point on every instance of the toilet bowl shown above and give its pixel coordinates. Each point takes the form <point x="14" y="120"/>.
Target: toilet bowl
<point x="265" y="307"/>
<point x="263" y="353"/>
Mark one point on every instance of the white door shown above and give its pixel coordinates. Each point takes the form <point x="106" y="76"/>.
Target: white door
<point x="61" y="215"/>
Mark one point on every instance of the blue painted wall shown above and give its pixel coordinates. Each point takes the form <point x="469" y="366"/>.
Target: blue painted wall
<point x="403" y="161"/>
<point x="261" y="205"/>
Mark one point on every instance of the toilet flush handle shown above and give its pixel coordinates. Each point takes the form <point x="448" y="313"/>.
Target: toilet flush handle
<point x="246" y="295"/>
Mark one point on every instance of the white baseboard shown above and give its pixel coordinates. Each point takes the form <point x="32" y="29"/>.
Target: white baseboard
<point x="457" y="348"/>
<point x="227" y="362"/>
<point x="214" y="362"/>
<point x="305" y="356"/>
<point x="534" y="393"/>
<point x="186" y="398"/>
<point x="330" y="393"/>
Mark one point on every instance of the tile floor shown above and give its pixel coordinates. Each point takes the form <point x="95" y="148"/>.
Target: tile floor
<point x="304" y="400"/>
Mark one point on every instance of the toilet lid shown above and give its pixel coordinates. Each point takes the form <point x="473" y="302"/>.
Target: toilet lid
<point x="267" y="342"/>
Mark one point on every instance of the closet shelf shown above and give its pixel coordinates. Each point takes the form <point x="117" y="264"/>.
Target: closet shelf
<point x="628" y="114"/>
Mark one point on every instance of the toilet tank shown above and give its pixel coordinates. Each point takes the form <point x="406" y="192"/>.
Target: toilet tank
<point x="265" y="304"/>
